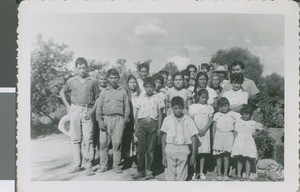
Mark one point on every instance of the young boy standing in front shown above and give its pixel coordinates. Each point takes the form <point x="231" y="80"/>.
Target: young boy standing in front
<point x="112" y="113"/>
<point x="178" y="132"/>
<point x="148" y="121"/>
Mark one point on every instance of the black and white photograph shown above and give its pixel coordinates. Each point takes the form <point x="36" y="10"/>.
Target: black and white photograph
<point x="152" y="92"/>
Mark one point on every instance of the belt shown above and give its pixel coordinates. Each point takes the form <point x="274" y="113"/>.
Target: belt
<point x="83" y="105"/>
<point x="114" y="115"/>
<point x="178" y="144"/>
<point x="147" y="119"/>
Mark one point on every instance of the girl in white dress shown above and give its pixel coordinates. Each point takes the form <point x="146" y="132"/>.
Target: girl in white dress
<point x="223" y="127"/>
<point x="202" y="114"/>
<point x="244" y="148"/>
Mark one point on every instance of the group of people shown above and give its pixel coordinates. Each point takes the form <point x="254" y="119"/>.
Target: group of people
<point x="176" y="119"/>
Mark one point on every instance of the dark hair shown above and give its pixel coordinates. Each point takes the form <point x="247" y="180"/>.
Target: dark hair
<point x="201" y="73"/>
<point x="164" y="72"/>
<point x="177" y="101"/>
<point x="177" y="74"/>
<point x="199" y="93"/>
<point x="185" y="72"/>
<point x="80" y="61"/>
<point x="113" y="72"/>
<point x="137" y="85"/>
<point x="143" y="65"/>
<point x="246" y="109"/>
<point x="159" y="77"/>
<point x="223" y="101"/>
<point x="205" y="66"/>
<point x="191" y="66"/>
<point x="237" y="78"/>
<point x="149" y="80"/>
<point x="235" y="63"/>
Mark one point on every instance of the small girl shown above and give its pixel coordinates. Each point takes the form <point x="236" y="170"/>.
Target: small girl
<point x="223" y="127"/>
<point x="178" y="90"/>
<point x="244" y="148"/>
<point x="202" y="114"/>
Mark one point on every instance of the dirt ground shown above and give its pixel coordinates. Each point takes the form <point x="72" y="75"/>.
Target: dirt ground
<point x="52" y="158"/>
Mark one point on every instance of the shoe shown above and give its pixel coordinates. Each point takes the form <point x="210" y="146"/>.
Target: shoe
<point x="134" y="165"/>
<point x="89" y="172"/>
<point x="220" y="178"/>
<point x="202" y="176"/>
<point x="194" y="177"/>
<point x="75" y="170"/>
<point x="149" y="176"/>
<point x="226" y="178"/>
<point x="101" y="169"/>
<point x="117" y="170"/>
<point x="137" y="176"/>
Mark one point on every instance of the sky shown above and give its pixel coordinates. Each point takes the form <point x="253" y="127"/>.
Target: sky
<point x="183" y="38"/>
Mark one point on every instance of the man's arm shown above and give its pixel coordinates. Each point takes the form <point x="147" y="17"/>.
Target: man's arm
<point x="99" y="111"/>
<point x="159" y="120"/>
<point x="64" y="99"/>
<point x="194" y="150"/>
<point x="163" y="144"/>
<point x="127" y="107"/>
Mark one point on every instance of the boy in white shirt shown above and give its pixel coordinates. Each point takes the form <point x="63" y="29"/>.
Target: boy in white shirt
<point x="178" y="132"/>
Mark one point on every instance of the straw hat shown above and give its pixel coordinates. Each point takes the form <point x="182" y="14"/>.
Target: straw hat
<point x="62" y="123"/>
<point x="221" y="68"/>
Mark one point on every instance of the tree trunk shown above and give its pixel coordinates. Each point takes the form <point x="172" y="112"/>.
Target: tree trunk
<point x="48" y="117"/>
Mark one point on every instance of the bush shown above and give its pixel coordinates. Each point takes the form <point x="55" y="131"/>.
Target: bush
<point x="265" y="145"/>
<point x="271" y="109"/>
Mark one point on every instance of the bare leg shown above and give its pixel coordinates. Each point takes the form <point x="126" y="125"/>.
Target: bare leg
<point x="226" y="164"/>
<point x="239" y="167"/>
<point x="219" y="165"/>
<point x="248" y="168"/>
<point x="202" y="160"/>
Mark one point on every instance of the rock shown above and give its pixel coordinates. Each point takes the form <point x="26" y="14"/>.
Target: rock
<point x="263" y="164"/>
<point x="275" y="172"/>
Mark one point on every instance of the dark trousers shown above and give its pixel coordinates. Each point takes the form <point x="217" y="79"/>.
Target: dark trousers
<point x="146" y="144"/>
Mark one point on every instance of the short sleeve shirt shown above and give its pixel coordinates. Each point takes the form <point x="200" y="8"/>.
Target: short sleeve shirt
<point x="248" y="85"/>
<point x="83" y="91"/>
<point x="148" y="106"/>
<point x="183" y="93"/>
<point x="237" y="97"/>
<point x="225" y="121"/>
<point x="247" y="127"/>
<point x="179" y="132"/>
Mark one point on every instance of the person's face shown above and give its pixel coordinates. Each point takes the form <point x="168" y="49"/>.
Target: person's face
<point x="170" y="81"/>
<point x="236" y="86"/>
<point x="81" y="70"/>
<point x="165" y="79"/>
<point x="144" y="73"/>
<point x="202" y="81"/>
<point x="132" y="84"/>
<point x="224" y="108"/>
<point x="177" y="110"/>
<point x="246" y="117"/>
<point x="193" y="72"/>
<point x="113" y="80"/>
<point x="102" y="81"/>
<point x="158" y="85"/>
<point x="178" y="81"/>
<point x="237" y="69"/>
<point x="215" y="81"/>
<point x="186" y="81"/>
<point x="149" y="89"/>
<point x="203" y="99"/>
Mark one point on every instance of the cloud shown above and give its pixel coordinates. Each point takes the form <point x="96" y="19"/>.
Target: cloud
<point x="180" y="61"/>
<point x="188" y="49"/>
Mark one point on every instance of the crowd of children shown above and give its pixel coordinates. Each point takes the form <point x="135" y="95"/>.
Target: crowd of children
<point x="176" y="121"/>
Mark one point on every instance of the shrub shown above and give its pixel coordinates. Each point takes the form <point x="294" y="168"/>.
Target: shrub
<point x="265" y="145"/>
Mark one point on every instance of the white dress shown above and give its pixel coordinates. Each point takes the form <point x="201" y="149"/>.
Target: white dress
<point x="223" y="140"/>
<point x="201" y="113"/>
<point x="244" y="143"/>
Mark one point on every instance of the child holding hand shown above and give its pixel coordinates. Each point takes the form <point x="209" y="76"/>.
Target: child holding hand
<point x="202" y="113"/>
<point x="244" y="148"/>
<point x="223" y="127"/>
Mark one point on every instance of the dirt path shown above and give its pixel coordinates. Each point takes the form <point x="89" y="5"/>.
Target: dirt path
<point x="52" y="158"/>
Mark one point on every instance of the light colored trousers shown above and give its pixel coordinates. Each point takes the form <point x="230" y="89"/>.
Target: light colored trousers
<point x="114" y="133"/>
<point x="177" y="160"/>
<point x="81" y="132"/>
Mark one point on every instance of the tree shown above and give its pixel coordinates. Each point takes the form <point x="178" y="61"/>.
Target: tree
<point x="253" y="66"/>
<point x="48" y="73"/>
<point x="171" y="67"/>
<point x="275" y="85"/>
